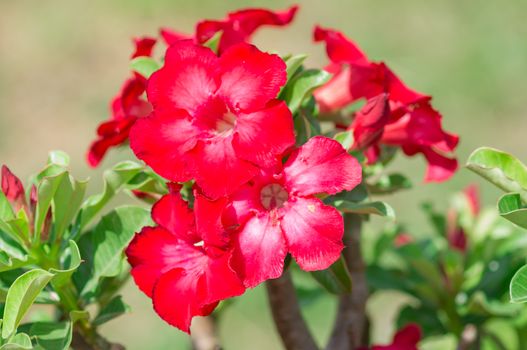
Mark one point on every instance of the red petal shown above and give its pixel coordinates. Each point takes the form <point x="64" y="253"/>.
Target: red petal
<point x="260" y="250"/>
<point x="219" y="170"/>
<point x="112" y="133"/>
<point x="369" y="122"/>
<point x="171" y="37"/>
<point x="208" y="220"/>
<point x="163" y="141"/>
<point x="243" y="205"/>
<point x="172" y="213"/>
<point x="321" y="165"/>
<point x="143" y="46"/>
<point x="440" y="168"/>
<point x="471" y="192"/>
<point x="313" y="232"/>
<point x="335" y="94"/>
<point x="186" y="81"/>
<point x="262" y="136"/>
<point x="155" y="251"/>
<point x="240" y="25"/>
<point x="250" y="77"/>
<point x="13" y="189"/>
<point x="339" y="48"/>
<point x="408" y="336"/>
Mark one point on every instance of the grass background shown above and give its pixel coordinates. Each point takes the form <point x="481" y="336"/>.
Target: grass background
<point x="62" y="60"/>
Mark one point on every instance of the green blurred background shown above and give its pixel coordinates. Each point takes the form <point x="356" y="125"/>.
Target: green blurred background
<point x="62" y="60"/>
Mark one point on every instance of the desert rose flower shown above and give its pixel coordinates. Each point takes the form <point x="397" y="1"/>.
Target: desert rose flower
<point x="394" y="114"/>
<point x="184" y="263"/>
<point x="278" y="213"/>
<point x="215" y="119"/>
<point x="405" y="339"/>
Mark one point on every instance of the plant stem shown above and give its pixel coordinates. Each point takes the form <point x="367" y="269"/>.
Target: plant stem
<point x="350" y="329"/>
<point x="287" y="316"/>
<point x="203" y="334"/>
<point x="469" y="338"/>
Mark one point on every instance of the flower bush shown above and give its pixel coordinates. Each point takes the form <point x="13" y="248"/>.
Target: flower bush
<point x="255" y="167"/>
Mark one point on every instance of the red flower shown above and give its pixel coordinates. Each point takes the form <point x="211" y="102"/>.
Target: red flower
<point x="471" y="193"/>
<point x="239" y="26"/>
<point x="405" y="339"/>
<point x="126" y="108"/>
<point x="183" y="263"/>
<point x="279" y="213"/>
<point x="215" y="119"/>
<point x="410" y="121"/>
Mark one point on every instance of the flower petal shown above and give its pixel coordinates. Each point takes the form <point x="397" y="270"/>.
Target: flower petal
<point x="155" y="251"/>
<point x="143" y="46"/>
<point x="111" y="133"/>
<point x="250" y="77"/>
<point x="369" y="122"/>
<point x="172" y="213"/>
<point x="163" y="141"/>
<point x="260" y="250"/>
<point x="321" y="165"/>
<point x="13" y="188"/>
<point x="218" y="169"/>
<point x="262" y="136"/>
<point x="313" y="233"/>
<point x="187" y="79"/>
<point x="335" y="94"/>
<point x="208" y="220"/>
<point x="339" y="48"/>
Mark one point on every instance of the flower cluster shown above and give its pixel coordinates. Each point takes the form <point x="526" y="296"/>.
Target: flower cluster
<point x="394" y="114"/>
<point x="214" y="119"/>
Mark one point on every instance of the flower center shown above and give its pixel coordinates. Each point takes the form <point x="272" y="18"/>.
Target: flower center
<point x="273" y="196"/>
<point x="226" y="123"/>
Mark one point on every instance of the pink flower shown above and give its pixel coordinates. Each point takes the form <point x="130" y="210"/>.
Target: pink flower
<point x="184" y="263"/>
<point x="394" y="115"/>
<point x="215" y="119"/>
<point x="405" y="339"/>
<point x="277" y="212"/>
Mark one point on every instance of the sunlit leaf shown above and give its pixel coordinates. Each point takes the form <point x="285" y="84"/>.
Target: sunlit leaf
<point x="144" y="65"/>
<point x="511" y="208"/>
<point x="20" y="341"/>
<point x="63" y="276"/>
<point x="518" y="286"/>
<point x="301" y="86"/>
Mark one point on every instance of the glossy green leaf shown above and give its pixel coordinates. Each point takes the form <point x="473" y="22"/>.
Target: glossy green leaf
<point x="63" y="276"/>
<point x="518" y="286"/>
<point x="301" y="86"/>
<point x="345" y="138"/>
<point x="511" y="208"/>
<point x="293" y="63"/>
<point x="214" y="42"/>
<point x="375" y="208"/>
<point x="20" y="341"/>
<point x="6" y="212"/>
<point x="20" y="226"/>
<point x="21" y="296"/>
<point x="480" y="305"/>
<point x="8" y="262"/>
<point x="53" y="335"/>
<point x="59" y="158"/>
<point x="66" y="204"/>
<point x="46" y="191"/>
<point x="336" y="279"/>
<point x="116" y="307"/>
<point x="145" y="66"/>
<point x="500" y="168"/>
<point x="390" y="183"/>
<point x="114" y="180"/>
<point x="109" y="239"/>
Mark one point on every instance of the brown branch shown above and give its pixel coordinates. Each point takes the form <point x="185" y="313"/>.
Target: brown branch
<point x="350" y="329"/>
<point x="82" y="341"/>
<point x="203" y="334"/>
<point x="287" y="316"/>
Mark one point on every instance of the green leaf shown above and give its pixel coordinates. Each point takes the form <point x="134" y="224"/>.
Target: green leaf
<point x="301" y="86"/>
<point x="511" y="208"/>
<point x="10" y="263"/>
<point x="46" y="191"/>
<point x="116" y="307"/>
<point x="345" y="138"/>
<point x="375" y="208"/>
<point x="53" y="335"/>
<point x="20" y="341"/>
<point x="336" y="279"/>
<point x="21" y="296"/>
<point x="500" y="168"/>
<point x="109" y="238"/>
<point x="306" y="126"/>
<point x="144" y="66"/>
<point x="114" y="180"/>
<point x="391" y="183"/>
<point x="480" y="305"/>
<point x="293" y="64"/>
<point x="66" y="204"/>
<point x="214" y="42"/>
<point x="6" y="212"/>
<point x="63" y="276"/>
<point x="60" y="158"/>
<point x="518" y="286"/>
